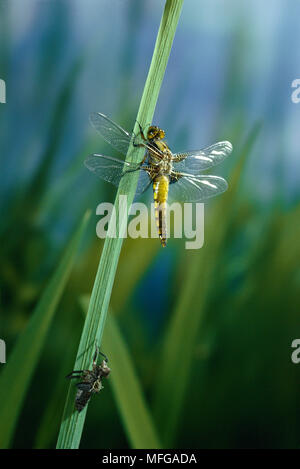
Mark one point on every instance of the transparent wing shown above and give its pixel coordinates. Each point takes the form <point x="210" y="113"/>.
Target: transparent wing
<point x="108" y="168"/>
<point x="144" y="182"/>
<point x="112" y="169"/>
<point x="111" y="132"/>
<point x="196" y="188"/>
<point x="196" y="161"/>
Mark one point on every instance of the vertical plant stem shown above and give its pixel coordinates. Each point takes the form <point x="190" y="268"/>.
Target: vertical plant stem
<point x="72" y="424"/>
<point x="129" y="397"/>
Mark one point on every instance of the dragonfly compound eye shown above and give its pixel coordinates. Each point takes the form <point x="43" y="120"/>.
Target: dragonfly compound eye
<point x="160" y="134"/>
<point x="152" y="131"/>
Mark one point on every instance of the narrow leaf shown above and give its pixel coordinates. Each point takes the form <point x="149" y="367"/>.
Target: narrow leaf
<point x="128" y="393"/>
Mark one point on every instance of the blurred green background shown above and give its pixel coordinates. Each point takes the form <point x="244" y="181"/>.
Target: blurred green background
<point x="209" y="331"/>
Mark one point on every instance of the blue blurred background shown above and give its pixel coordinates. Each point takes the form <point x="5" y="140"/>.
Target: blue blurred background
<point x="229" y="77"/>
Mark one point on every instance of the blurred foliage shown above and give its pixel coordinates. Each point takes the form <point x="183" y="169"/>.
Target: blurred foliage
<point x="27" y="350"/>
<point x="212" y="329"/>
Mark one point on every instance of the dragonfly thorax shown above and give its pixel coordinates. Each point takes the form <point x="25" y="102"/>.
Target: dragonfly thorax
<point x="165" y="166"/>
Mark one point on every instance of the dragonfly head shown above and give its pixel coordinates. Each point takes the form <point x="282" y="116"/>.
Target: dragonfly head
<point x="155" y="132"/>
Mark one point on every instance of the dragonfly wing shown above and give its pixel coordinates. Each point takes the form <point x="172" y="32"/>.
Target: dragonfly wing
<point x="108" y="168"/>
<point x="144" y="182"/>
<point x="196" y="188"/>
<point x="194" y="162"/>
<point x="112" y="169"/>
<point x="111" y="132"/>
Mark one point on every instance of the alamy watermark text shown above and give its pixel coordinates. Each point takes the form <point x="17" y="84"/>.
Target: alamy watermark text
<point x="295" y="96"/>
<point x="2" y="91"/>
<point x="2" y="351"/>
<point x="188" y="221"/>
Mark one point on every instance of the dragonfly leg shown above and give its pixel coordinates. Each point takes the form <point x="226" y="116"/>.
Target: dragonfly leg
<point x="105" y="357"/>
<point x="70" y="376"/>
<point x="179" y="157"/>
<point x="96" y="355"/>
<point x="138" y="144"/>
<point x="138" y="165"/>
<point x="144" y="159"/>
<point x="97" y="352"/>
<point x="141" y="133"/>
<point x="174" y="176"/>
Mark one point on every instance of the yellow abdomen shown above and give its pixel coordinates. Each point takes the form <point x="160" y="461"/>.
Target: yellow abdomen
<point x="160" y="194"/>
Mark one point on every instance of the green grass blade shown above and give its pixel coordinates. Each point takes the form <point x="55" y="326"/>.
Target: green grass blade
<point x="129" y="396"/>
<point x="182" y="333"/>
<point x="17" y="373"/>
<point x="45" y="435"/>
<point x="72" y="424"/>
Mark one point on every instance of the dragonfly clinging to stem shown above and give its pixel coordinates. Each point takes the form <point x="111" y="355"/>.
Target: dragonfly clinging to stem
<point x="175" y="175"/>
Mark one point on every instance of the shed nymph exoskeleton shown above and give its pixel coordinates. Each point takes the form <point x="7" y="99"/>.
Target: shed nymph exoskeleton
<point x="90" y="380"/>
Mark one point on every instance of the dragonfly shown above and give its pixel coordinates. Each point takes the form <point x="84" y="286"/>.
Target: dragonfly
<point x="174" y="176"/>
